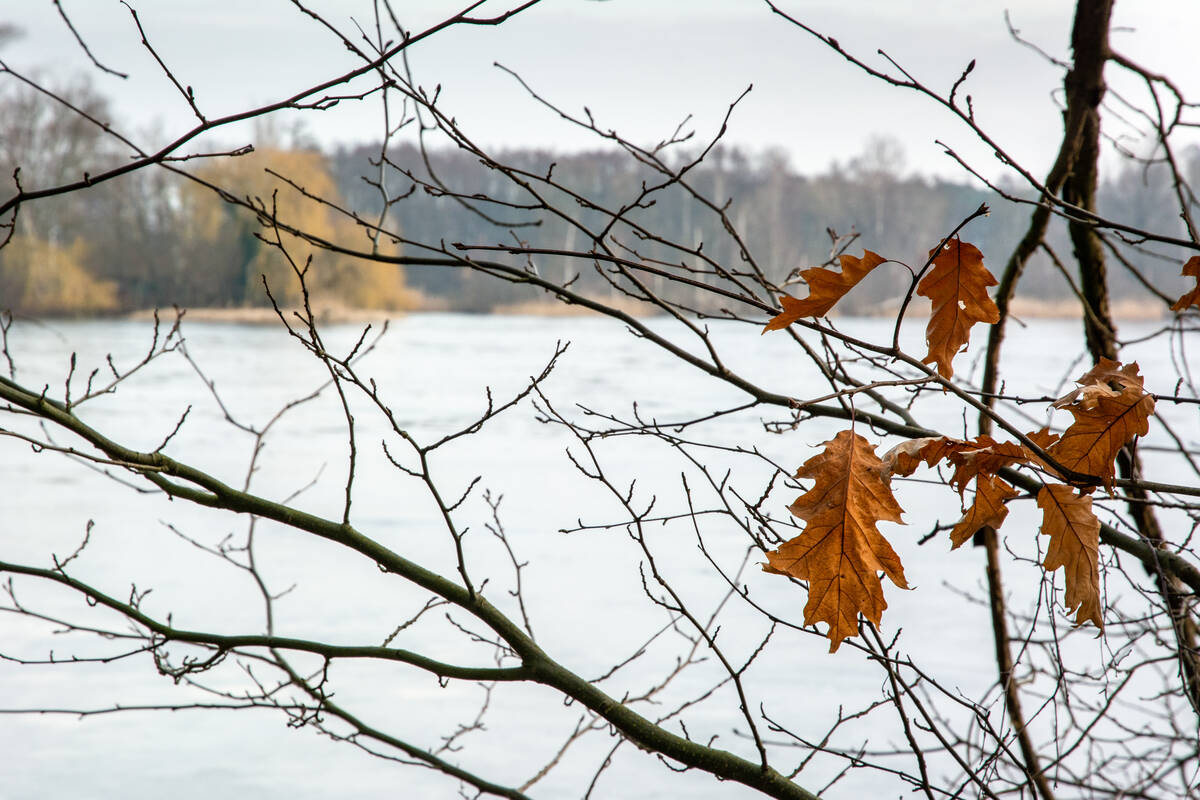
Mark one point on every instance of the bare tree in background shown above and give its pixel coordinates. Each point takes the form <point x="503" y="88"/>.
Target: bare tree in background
<point x="1118" y="721"/>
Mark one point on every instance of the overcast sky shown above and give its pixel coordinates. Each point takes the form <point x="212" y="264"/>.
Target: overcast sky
<point x="641" y="66"/>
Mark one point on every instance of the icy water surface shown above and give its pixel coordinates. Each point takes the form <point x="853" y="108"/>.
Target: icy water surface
<point x="583" y="589"/>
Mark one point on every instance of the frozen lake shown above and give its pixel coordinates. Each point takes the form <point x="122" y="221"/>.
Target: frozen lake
<point x="582" y="589"/>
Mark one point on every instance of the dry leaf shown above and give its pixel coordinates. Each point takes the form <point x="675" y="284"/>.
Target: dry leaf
<point x="1192" y="298"/>
<point x="904" y="458"/>
<point x="840" y="552"/>
<point x="988" y="508"/>
<point x="825" y="288"/>
<point x="957" y="287"/>
<point x="1074" y="533"/>
<point x="1106" y="374"/>
<point x="983" y="455"/>
<point x="1106" y="418"/>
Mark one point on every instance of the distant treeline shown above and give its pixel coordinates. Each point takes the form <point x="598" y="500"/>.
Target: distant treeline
<point x="784" y="218"/>
<point x="153" y="238"/>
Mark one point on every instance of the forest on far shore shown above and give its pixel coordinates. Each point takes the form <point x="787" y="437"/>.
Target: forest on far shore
<point x="154" y="238"/>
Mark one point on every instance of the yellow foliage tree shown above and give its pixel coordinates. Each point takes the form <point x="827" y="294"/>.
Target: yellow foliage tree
<point x="215" y="227"/>
<point x="39" y="277"/>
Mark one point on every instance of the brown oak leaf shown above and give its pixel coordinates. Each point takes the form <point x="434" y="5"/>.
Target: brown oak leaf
<point x="1106" y="373"/>
<point x="988" y="508"/>
<point x="904" y="458"/>
<point x="1110" y="408"/>
<point x="982" y="455"/>
<point x="825" y="288"/>
<point x="841" y="552"/>
<point x="1074" y="533"/>
<point x="957" y="288"/>
<point x="985" y="456"/>
<point x="1192" y="298"/>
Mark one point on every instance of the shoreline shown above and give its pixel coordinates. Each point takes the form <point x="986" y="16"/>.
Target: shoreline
<point x="255" y="315"/>
<point x="1022" y="308"/>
